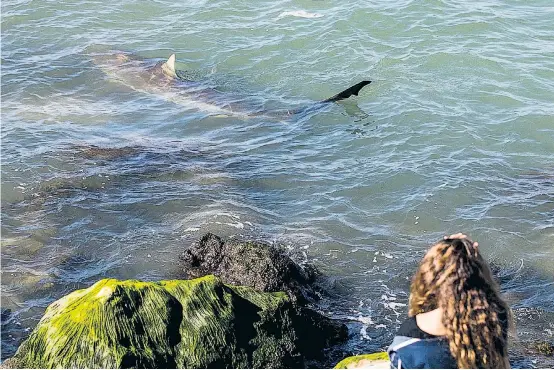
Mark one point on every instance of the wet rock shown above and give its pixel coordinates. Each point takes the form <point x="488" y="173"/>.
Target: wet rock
<point x="544" y="348"/>
<point x="200" y="323"/>
<point x="261" y="266"/>
<point x="5" y="314"/>
<point x="10" y="331"/>
<point x="379" y="360"/>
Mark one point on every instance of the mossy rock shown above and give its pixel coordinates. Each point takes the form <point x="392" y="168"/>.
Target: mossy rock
<point x="544" y="348"/>
<point x="198" y="323"/>
<point x="379" y="360"/>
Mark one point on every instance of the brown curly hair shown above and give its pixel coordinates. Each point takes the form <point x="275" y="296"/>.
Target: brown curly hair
<point x="454" y="276"/>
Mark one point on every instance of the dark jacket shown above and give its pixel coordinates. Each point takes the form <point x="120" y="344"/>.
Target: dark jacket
<point x="412" y="348"/>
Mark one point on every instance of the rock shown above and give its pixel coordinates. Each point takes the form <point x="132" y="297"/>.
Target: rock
<point x="261" y="266"/>
<point x="379" y="360"/>
<point x="11" y="363"/>
<point x="544" y="348"/>
<point x="5" y="314"/>
<point x="200" y="323"/>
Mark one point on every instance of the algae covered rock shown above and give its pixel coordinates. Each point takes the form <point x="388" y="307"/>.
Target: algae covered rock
<point x="196" y="323"/>
<point x="254" y="264"/>
<point x="543" y="348"/>
<point x="379" y="360"/>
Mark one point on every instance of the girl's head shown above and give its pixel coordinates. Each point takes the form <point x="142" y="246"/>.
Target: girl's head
<point x="455" y="278"/>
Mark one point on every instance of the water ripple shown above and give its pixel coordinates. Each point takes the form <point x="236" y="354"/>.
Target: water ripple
<point x="454" y="133"/>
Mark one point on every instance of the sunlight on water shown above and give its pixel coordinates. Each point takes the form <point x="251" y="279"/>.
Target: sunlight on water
<point x="104" y="175"/>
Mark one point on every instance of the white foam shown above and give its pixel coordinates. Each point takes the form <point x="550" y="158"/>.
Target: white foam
<point x="299" y="14"/>
<point x="366" y="320"/>
<point x="363" y="333"/>
<point x="393" y="305"/>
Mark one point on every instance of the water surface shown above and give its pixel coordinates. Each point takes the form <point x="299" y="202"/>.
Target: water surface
<point x="455" y="133"/>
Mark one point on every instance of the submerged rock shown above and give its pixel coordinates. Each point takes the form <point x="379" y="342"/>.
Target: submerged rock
<point x="254" y="264"/>
<point x="200" y="323"/>
<point x="96" y="152"/>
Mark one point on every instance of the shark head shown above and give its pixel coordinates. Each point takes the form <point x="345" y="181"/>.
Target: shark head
<point x="112" y="59"/>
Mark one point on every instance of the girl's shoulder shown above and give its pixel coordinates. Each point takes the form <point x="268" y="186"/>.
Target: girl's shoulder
<point x="416" y="349"/>
<point x="410" y="329"/>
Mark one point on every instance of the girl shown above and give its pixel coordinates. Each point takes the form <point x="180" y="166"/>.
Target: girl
<point x="456" y="316"/>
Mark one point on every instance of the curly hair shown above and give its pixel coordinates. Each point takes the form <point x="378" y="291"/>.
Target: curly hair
<point x="454" y="276"/>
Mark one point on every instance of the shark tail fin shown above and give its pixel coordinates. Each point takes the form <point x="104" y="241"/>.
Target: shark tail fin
<point x="169" y="66"/>
<point x="352" y="90"/>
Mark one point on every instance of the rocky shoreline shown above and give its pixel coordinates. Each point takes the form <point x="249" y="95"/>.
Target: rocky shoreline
<point x="241" y="304"/>
<point x="244" y="305"/>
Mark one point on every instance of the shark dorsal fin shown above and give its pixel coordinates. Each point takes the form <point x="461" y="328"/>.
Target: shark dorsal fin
<point x="171" y="62"/>
<point x="169" y="66"/>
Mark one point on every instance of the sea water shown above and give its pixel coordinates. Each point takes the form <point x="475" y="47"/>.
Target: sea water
<point x="455" y="133"/>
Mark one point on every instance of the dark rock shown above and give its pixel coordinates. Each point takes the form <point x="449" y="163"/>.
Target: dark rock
<point x="258" y="265"/>
<point x="5" y="314"/>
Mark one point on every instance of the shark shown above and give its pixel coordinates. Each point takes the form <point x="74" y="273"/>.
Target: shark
<point x="161" y="78"/>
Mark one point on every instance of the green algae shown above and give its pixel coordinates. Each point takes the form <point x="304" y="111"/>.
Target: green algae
<point x="177" y="323"/>
<point x="544" y="348"/>
<point x="378" y="360"/>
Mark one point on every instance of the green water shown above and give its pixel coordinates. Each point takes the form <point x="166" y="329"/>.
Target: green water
<point x="456" y="132"/>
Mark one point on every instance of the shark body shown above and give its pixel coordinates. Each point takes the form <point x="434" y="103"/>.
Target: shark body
<point x="163" y="80"/>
